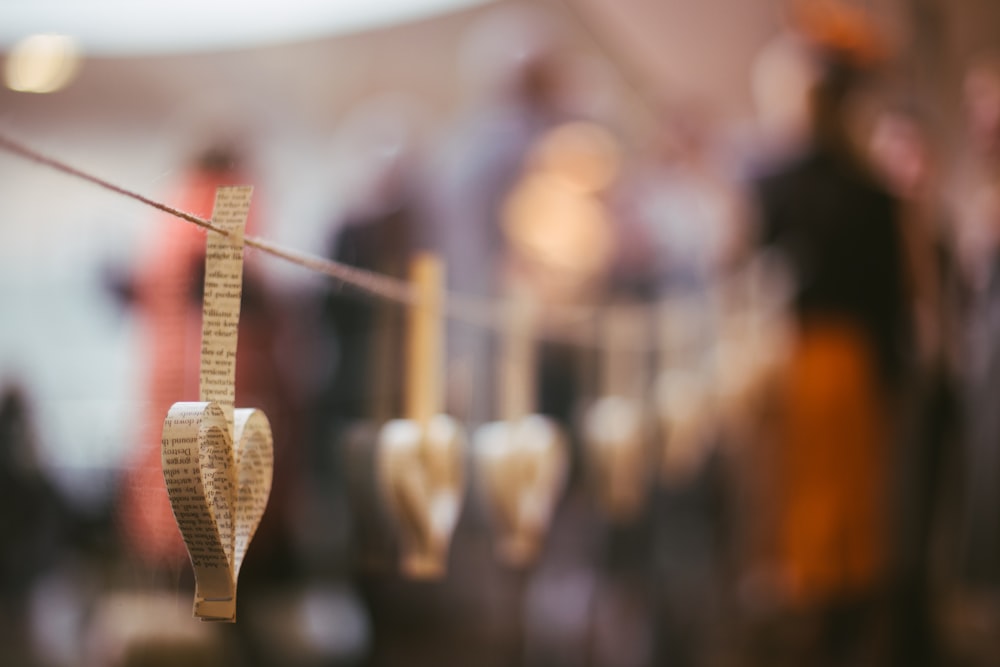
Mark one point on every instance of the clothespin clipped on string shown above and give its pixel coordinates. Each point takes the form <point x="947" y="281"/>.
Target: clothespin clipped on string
<point x="615" y="428"/>
<point x="420" y="459"/>
<point x="217" y="459"/>
<point x="521" y="459"/>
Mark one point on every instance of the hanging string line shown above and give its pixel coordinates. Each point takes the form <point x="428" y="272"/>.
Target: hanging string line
<point x="468" y="309"/>
<point x="460" y="307"/>
<point x="368" y="281"/>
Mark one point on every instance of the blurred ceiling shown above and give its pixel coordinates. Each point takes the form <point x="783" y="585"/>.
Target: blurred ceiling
<point x="302" y="63"/>
<point x="126" y="27"/>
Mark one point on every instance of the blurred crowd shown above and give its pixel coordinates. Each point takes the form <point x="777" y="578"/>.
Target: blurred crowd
<point x="801" y="315"/>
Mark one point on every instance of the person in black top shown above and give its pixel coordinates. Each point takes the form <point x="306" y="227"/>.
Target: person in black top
<point x="836" y="230"/>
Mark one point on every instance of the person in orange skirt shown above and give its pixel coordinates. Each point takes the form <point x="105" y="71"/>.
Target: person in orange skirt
<point x="837" y="231"/>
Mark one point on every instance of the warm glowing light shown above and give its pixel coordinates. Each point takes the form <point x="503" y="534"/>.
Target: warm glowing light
<point x="555" y="218"/>
<point x="553" y="223"/>
<point x="41" y="63"/>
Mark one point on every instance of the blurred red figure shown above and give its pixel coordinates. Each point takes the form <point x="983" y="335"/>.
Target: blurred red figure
<point x="168" y="292"/>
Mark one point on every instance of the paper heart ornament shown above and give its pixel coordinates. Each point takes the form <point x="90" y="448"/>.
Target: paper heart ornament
<point x="218" y="487"/>
<point x="615" y="433"/>
<point x="421" y="474"/>
<point x="217" y="460"/>
<point x="522" y="465"/>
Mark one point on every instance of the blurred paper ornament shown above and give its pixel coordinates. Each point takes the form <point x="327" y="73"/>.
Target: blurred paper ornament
<point x="522" y="459"/>
<point x="420" y="459"/>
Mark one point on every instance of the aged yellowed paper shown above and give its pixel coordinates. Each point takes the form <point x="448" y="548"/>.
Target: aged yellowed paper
<point x="218" y="460"/>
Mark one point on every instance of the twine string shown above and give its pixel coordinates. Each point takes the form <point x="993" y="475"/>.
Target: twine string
<point x="477" y="311"/>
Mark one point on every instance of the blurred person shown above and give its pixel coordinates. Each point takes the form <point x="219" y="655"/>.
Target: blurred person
<point x="903" y="155"/>
<point x="978" y="210"/>
<point x="927" y="460"/>
<point x="166" y="296"/>
<point x="838" y="232"/>
<point x="383" y="224"/>
<point x="514" y="71"/>
<point x="42" y="533"/>
<point x="54" y="552"/>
